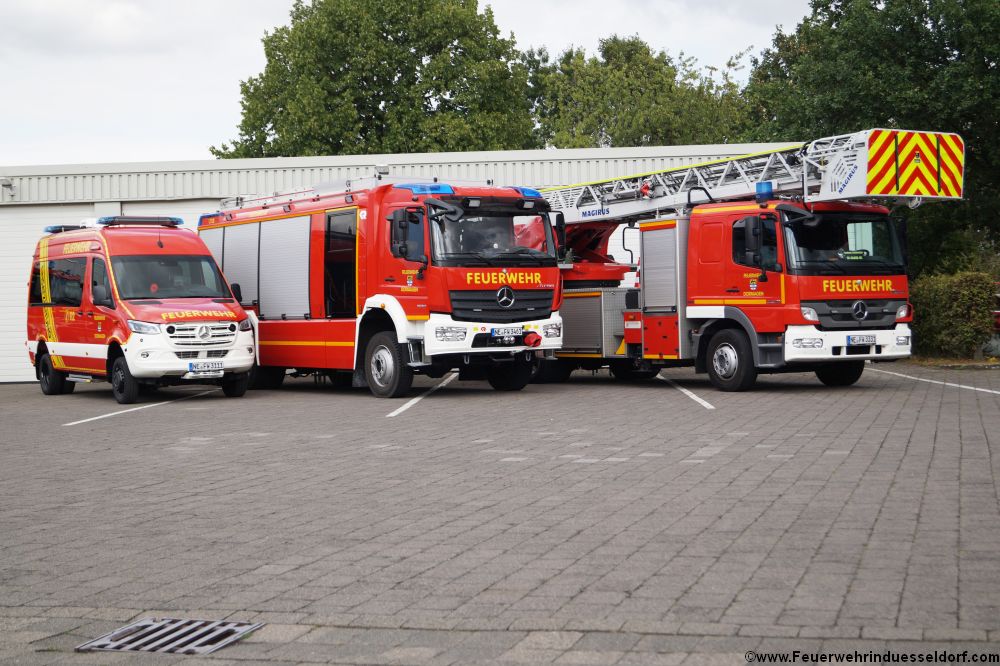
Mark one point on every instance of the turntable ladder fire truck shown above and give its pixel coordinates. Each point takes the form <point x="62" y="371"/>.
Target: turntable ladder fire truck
<point x="782" y="261"/>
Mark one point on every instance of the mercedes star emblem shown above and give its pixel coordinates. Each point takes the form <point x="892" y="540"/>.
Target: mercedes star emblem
<point x="859" y="310"/>
<point x="505" y="297"/>
<point x="204" y="332"/>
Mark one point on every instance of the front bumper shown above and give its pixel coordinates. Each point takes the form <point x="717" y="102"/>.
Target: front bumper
<point x="153" y="356"/>
<point x="434" y="347"/>
<point x="833" y="345"/>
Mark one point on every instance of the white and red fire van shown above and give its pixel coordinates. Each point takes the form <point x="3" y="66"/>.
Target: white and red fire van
<point x="138" y="302"/>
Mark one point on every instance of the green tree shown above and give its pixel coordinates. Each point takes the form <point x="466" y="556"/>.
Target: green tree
<point x="631" y="96"/>
<point x="351" y="76"/>
<point x="910" y="64"/>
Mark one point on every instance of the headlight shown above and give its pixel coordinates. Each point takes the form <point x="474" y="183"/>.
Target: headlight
<point x="450" y="333"/>
<point x="245" y="324"/>
<point x="809" y="314"/>
<point x="143" y="327"/>
<point x="552" y="330"/>
<point x="807" y="343"/>
<point x="903" y="312"/>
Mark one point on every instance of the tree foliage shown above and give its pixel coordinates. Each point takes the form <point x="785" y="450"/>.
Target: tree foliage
<point x="351" y="76"/>
<point x="911" y="64"/>
<point x="631" y="96"/>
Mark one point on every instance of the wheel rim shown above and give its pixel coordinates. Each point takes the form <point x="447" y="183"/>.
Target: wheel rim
<point x="725" y="361"/>
<point x="118" y="381"/>
<point x="383" y="367"/>
<point x="46" y="374"/>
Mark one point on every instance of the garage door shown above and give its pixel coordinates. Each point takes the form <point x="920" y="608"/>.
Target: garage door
<point x="20" y="229"/>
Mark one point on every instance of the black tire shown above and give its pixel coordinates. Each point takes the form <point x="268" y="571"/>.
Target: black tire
<point x="51" y="381"/>
<point x="510" y="376"/>
<point x="265" y="378"/>
<point x="730" y="361"/>
<point x="386" y="369"/>
<point x="841" y="374"/>
<point x="124" y="386"/>
<point x="235" y="386"/>
<point x="553" y="372"/>
<point x="625" y="371"/>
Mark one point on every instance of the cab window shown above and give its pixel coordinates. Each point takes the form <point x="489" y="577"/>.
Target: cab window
<point x="65" y="282"/>
<point x="768" y="244"/>
<point x="99" y="278"/>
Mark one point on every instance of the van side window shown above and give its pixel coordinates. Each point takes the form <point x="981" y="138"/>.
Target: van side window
<point x="768" y="244"/>
<point x="99" y="278"/>
<point x="65" y="282"/>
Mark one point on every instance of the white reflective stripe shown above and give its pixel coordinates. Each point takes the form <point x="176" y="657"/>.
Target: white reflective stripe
<point x="706" y="311"/>
<point x="78" y="349"/>
<point x="33" y="346"/>
<point x="633" y="324"/>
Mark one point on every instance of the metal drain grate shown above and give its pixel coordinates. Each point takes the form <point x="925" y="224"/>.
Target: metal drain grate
<point x="173" y="635"/>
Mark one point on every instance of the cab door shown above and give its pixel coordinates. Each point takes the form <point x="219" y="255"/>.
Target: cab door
<point x="65" y="330"/>
<point x="754" y="281"/>
<point x="97" y="319"/>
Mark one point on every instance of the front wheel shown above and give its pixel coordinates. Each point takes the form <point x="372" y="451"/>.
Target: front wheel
<point x="730" y="361"/>
<point x="510" y="376"/>
<point x="51" y="381"/>
<point x="841" y="374"/>
<point x="386" y="368"/>
<point x="124" y="386"/>
<point x="235" y="386"/>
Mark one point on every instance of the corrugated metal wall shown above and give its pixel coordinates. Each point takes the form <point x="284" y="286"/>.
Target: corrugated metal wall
<point x="221" y="178"/>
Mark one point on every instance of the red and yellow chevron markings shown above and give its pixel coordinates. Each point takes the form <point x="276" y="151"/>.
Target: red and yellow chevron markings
<point x="930" y="164"/>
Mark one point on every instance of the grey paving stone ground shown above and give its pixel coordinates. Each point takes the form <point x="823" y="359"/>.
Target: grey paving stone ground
<point x="584" y="523"/>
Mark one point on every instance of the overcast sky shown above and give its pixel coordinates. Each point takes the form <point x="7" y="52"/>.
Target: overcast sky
<point x="89" y="81"/>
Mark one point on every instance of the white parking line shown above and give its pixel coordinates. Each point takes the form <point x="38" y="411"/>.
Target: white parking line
<point x="934" y="381"/>
<point x="413" y="401"/>
<point x="683" y="390"/>
<point x="135" y="409"/>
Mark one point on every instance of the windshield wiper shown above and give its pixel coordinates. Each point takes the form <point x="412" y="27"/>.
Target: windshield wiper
<point x="527" y="253"/>
<point x="822" y="264"/>
<point x="487" y="261"/>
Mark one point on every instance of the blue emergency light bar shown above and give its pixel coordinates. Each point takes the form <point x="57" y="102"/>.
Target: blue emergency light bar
<point x="427" y="188"/>
<point x="528" y="192"/>
<point x="59" y="228"/>
<point x="121" y="220"/>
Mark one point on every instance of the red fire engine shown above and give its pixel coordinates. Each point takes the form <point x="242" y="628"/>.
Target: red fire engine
<point x="783" y="261"/>
<point x="369" y="282"/>
<point x="137" y="302"/>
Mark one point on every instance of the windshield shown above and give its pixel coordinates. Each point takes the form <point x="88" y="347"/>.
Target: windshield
<point x="494" y="239"/>
<point x="843" y="244"/>
<point x="172" y="276"/>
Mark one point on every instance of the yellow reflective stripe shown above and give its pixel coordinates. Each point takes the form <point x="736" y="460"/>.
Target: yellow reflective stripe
<point x="418" y="317"/>
<point x="583" y="294"/>
<point x="659" y="356"/>
<point x="730" y="301"/>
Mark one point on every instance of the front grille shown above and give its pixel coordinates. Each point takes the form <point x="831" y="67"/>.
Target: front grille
<point x="838" y="314"/>
<point x="210" y="353"/>
<point x="482" y="306"/>
<point x="202" y="335"/>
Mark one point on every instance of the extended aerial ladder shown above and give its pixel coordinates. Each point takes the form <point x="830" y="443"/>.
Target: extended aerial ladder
<point x="874" y="165"/>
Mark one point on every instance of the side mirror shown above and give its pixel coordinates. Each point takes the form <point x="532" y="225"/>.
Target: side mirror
<point x="101" y="296"/>
<point x="237" y="292"/>
<point x="560" y="226"/>
<point x="400" y="233"/>
<point x="751" y="238"/>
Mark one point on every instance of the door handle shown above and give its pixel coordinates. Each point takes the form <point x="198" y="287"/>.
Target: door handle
<point x="732" y="291"/>
<point x="390" y="279"/>
<point x="90" y="314"/>
<point x="79" y="313"/>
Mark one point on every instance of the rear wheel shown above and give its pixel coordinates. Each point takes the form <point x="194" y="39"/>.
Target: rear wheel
<point x="124" y="386"/>
<point x="51" y="380"/>
<point x="235" y="386"/>
<point x="730" y="361"/>
<point x="266" y="378"/>
<point x="626" y="371"/>
<point x="841" y="374"/>
<point x="510" y="376"/>
<point x="386" y="368"/>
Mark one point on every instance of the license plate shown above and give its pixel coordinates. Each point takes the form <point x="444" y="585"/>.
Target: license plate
<point x="855" y="340"/>
<point x="508" y="332"/>
<point x="205" y="366"/>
